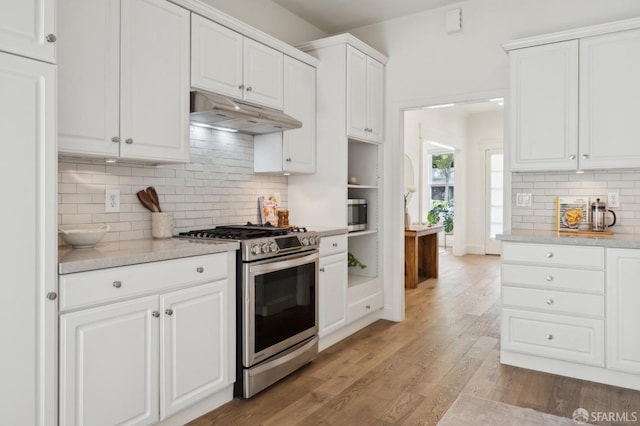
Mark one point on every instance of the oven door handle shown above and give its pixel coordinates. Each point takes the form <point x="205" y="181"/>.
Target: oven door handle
<point x="283" y="263"/>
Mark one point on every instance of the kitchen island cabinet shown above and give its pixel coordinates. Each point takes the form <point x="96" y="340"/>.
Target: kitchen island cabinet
<point x="572" y="97"/>
<point x="124" y="80"/>
<point x="569" y="305"/>
<point x="147" y="343"/>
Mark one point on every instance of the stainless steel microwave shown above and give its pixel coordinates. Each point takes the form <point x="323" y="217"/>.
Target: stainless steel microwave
<point x="356" y="214"/>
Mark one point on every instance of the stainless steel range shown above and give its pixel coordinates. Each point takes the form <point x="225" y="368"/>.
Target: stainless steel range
<point x="277" y="294"/>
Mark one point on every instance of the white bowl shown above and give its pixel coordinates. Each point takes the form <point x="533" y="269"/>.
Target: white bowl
<point x="85" y="236"/>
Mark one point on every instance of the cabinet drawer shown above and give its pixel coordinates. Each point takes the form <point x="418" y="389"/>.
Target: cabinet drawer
<point x="333" y="244"/>
<point x="365" y="306"/>
<point x="557" y="278"/>
<point x="551" y="254"/>
<point x="107" y="285"/>
<point x="554" y="301"/>
<point x="554" y="336"/>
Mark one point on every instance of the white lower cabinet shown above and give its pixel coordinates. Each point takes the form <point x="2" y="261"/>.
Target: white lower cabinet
<point x="623" y="294"/>
<point x="142" y="360"/>
<point x="332" y="293"/>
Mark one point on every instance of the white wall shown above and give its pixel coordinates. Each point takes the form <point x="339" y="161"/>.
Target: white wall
<point x="427" y="66"/>
<point x="271" y="18"/>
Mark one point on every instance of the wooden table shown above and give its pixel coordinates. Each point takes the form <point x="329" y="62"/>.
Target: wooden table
<point x="421" y="253"/>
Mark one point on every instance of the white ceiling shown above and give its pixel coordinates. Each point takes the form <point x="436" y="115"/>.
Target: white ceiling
<point x="335" y="16"/>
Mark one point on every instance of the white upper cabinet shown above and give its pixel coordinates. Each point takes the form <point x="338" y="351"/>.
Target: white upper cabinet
<point x="365" y="86"/>
<point x="27" y="28"/>
<point x="543" y="84"/>
<point x="292" y="151"/>
<point x="609" y="93"/>
<point x="573" y="98"/>
<point x="225" y="62"/>
<point x="124" y="80"/>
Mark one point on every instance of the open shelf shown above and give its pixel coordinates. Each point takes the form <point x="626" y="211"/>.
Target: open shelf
<point x="362" y="186"/>
<point x="356" y="280"/>
<point x="361" y="233"/>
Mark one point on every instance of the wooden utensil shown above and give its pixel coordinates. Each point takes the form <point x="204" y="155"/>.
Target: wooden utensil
<point x="144" y="199"/>
<point x="153" y="196"/>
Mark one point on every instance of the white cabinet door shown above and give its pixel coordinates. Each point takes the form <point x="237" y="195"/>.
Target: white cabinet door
<point x="375" y="100"/>
<point x="27" y="28"/>
<point x="263" y="74"/>
<point x="89" y="77"/>
<point x="109" y="364"/>
<point x="216" y="58"/>
<point x="195" y="348"/>
<point x="356" y="93"/>
<point x="299" y="150"/>
<point x="154" y="98"/>
<point x="543" y="85"/>
<point x="623" y="315"/>
<point x="332" y="289"/>
<point x="28" y="182"/>
<point x="609" y="93"/>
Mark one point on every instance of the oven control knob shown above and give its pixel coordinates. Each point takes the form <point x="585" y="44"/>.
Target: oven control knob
<point x="265" y="248"/>
<point x="305" y="241"/>
<point x="273" y="246"/>
<point x="255" y="249"/>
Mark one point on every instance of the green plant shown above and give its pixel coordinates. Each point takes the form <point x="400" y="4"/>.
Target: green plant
<point x="352" y="261"/>
<point x="442" y="210"/>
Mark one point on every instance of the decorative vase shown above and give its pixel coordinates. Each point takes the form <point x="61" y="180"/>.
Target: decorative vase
<point x="407" y="218"/>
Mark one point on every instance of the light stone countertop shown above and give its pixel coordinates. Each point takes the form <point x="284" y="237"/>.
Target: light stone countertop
<point x="112" y="254"/>
<point x="324" y="231"/>
<point x="631" y="241"/>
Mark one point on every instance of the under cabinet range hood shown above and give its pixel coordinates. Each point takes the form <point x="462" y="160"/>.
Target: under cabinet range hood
<point x="223" y="113"/>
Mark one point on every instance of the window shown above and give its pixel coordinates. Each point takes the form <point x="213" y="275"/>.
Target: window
<point x="442" y="177"/>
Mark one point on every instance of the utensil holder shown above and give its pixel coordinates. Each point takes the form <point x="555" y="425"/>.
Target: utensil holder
<point x="161" y="225"/>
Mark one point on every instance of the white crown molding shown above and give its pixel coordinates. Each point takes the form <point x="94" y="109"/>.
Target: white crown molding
<point x="345" y="38"/>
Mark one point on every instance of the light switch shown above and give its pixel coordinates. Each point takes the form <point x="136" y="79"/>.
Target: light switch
<point x="523" y="199"/>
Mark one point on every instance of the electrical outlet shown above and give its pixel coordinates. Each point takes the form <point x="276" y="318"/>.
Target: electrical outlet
<point x="613" y="199"/>
<point x="523" y="199"/>
<point x="112" y="201"/>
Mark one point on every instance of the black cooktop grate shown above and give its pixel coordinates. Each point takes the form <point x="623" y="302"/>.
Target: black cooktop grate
<point x="241" y="232"/>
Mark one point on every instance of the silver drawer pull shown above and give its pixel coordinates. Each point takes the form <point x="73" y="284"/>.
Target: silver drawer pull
<point x="549" y="301"/>
<point x="368" y="306"/>
<point x="200" y="269"/>
<point x="549" y="278"/>
<point x="321" y="269"/>
<point x="335" y="244"/>
<point x="549" y="255"/>
<point x="117" y="284"/>
<point x="549" y="336"/>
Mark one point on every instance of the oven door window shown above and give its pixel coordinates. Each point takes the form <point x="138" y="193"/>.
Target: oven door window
<point x="285" y="304"/>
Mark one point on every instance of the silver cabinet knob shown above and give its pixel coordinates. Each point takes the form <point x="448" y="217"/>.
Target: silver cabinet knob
<point x="52" y="296"/>
<point x="335" y="244"/>
<point x="288" y="159"/>
<point x="117" y="284"/>
<point x="549" y="255"/>
<point x="199" y="269"/>
<point x="241" y="87"/>
<point x="321" y="269"/>
<point x="368" y="307"/>
<point x="168" y="311"/>
<point x="572" y="157"/>
<point x="156" y="314"/>
<point x="549" y="302"/>
<point x="115" y="139"/>
<point x="585" y="156"/>
<point x="549" y="336"/>
<point x="249" y="89"/>
<point x="51" y="38"/>
<point x="129" y="141"/>
<point x="549" y="278"/>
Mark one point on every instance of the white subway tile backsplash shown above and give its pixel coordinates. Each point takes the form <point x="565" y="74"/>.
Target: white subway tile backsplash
<point x="545" y="187"/>
<point x="217" y="187"/>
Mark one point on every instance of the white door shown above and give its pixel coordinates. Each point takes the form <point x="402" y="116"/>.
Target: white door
<point x="154" y="84"/>
<point x="375" y="100"/>
<point x="27" y="28"/>
<point x="299" y="149"/>
<point x="216" y="58"/>
<point x="195" y="345"/>
<point x="609" y="93"/>
<point x="494" y="204"/>
<point x="356" y="93"/>
<point x="332" y="289"/>
<point x="109" y="364"/>
<point x="543" y="85"/>
<point x="89" y="77"/>
<point x="623" y="315"/>
<point x="263" y="74"/>
<point x="29" y="267"/>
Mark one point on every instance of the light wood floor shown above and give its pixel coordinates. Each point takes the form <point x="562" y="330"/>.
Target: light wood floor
<point x="409" y="373"/>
